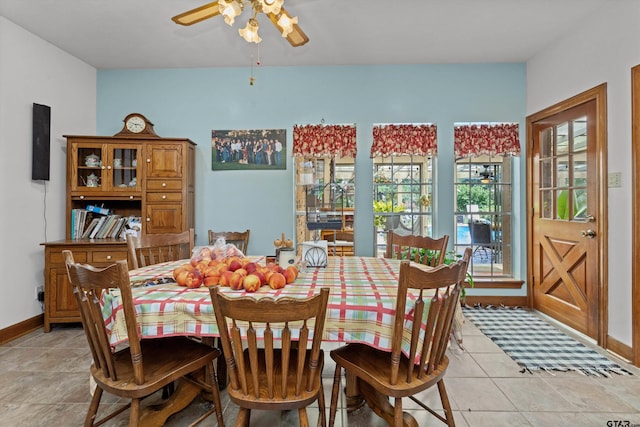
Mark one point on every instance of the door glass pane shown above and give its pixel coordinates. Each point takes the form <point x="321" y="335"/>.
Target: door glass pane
<point x="563" y="204"/>
<point x="580" y="169"/>
<point x="546" y="172"/>
<point x="547" y="204"/>
<point x="562" y="171"/>
<point x="124" y="167"/>
<point x="546" y="143"/>
<point x="562" y="139"/>
<point x="580" y="134"/>
<point x="580" y="201"/>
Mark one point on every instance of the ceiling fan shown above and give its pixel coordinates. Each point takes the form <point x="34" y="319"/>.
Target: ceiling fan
<point x="230" y="9"/>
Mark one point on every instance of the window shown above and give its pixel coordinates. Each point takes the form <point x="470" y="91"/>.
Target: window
<point x="483" y="209"/>
<point x="402" y="189"/>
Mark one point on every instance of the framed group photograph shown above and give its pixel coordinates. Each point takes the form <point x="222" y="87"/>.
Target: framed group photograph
<point x="249" y="149"/>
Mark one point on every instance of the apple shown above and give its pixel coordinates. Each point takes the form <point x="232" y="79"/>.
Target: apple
<point x="236" y="280"/>
<point x="181" y="277"/>
<point x="252" y="283"/>
<point x="277" y="281"/>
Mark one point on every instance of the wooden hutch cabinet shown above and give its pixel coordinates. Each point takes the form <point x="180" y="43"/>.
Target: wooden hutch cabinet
<point x="131" y="173"/>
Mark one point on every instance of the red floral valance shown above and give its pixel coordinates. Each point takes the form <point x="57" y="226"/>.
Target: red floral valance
<point x="490" y="139"/>
<point x="404" y="139"/>
<point x="324" y="140"/>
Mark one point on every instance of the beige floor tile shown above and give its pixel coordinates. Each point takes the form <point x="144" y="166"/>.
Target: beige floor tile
<point x="589" y="394"/>
<point x="477" y="394"/>
<point x="463" y="365"/>
<point x="498" y="365"/>
<point x="533" y="394"/>
<point x="493" y="419"/>
<point x="480" y="344"/>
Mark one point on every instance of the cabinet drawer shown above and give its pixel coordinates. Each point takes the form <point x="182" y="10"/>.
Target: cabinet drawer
<point x="164" y="197"/>
<point x="107" y="256"/>
<point x="164" y="184"/>
<point x="56" y="257"/>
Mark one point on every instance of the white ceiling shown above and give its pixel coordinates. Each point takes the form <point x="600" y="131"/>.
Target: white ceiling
<point x="109" y="34"/>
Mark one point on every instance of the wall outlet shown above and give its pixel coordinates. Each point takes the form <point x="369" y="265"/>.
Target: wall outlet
<point x="40" y="293"/>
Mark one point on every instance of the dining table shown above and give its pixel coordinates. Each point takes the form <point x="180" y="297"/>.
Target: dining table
<point x="361" y="308"/>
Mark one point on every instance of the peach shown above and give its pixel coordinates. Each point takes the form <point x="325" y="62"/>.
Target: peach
<point x="277" y="281"/>
<point x="225" y="278"/>
<point x="252" y="283"/>
<point x="235" y="265"/>
<point x="212" y="280"/>
<point x="289" y="275"/>
<point x="250" y="267"/>
<point x="236" y="281"/>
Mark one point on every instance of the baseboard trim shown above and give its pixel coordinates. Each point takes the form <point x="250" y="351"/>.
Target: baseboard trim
<point x="19" y="329"/>
<point x="497" y="300"/>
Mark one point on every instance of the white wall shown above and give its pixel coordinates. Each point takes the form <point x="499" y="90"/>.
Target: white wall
<point x="601" y="50"/>
<point x="33" y="70"/>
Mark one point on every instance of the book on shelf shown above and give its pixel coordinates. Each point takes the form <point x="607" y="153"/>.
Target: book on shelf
<point x="89" y="228"/>
<point x="97" y="228"/>
<point x="79" y="220"/>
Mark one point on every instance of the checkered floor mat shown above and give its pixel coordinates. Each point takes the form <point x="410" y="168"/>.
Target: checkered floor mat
<point x="536" y="344"/>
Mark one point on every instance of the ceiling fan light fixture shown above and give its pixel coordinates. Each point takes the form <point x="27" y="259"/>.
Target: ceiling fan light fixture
<point x="230" y="9"/>
<point x="250" y="32"/>
<point x="271" y="6"/>
<point x="286" y="23"/>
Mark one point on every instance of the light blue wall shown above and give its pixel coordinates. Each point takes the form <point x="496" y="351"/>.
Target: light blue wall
<point x="191" y="102"/>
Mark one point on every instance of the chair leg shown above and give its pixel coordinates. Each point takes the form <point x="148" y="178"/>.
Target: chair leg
<point x="335" y="390"/>
<point x="304" y="419"/>
<point x="448" y="414"/>
<point x="322" y="418"/>
<point x="215" y="391"/>
<point x="244" y="416"/>
<point x="93" y="407"/>
<point x="397" y="412"/>
<point x="134" y="414"/>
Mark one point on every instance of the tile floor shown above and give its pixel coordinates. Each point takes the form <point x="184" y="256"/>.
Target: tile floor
<point x="44" y="382"/>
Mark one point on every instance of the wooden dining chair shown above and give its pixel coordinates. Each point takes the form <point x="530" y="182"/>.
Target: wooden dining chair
<point x="155" y="248"/>
<point x="144" y="366"/>
<point x="387" y="377"/>
<point x="239" y="238"/>
<point x="335" y="237"/>
<point x="423" y="249"/>
<point x="284" y="371"/>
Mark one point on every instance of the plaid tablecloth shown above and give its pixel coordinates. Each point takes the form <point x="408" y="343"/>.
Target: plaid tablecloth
<point x="361" y="303"/>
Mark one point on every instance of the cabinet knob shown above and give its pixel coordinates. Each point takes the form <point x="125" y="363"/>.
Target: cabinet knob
<point x="131" y="197"/>
<point x="81" y="197"/>
<point x="164" y="184"/>
<point x="148" y="219"/>
<point x="109" y="167"/>
<point x="102" y="167"/>
<point x="108" y="257"/>
<point x="164" y="196"/>
<point x="148" y="160"/>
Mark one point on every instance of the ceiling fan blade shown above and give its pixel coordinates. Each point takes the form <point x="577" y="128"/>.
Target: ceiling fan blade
<point x="198" y="14"/>
<point x="296" y="37"/>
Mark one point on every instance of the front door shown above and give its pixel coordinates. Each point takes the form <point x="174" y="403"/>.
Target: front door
<point x="565" y="237"/>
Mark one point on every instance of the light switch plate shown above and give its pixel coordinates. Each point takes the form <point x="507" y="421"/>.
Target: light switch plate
<point x="615" y="179"/>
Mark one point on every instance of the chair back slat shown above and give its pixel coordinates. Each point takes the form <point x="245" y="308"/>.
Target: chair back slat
<point x="156" y="248"/>
<point x="446" y="281"/>
<point x="290" y="331"/>
<point x="91" y="287"/>
<point x="238" y="238"/>
<point x="421" y="249"/>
